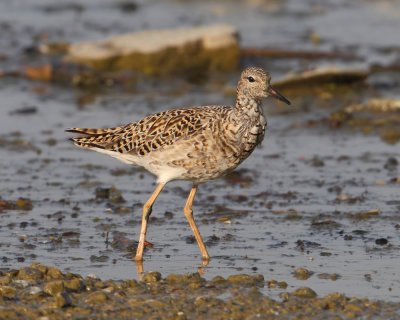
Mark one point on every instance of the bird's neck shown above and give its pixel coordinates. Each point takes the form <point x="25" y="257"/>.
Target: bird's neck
<point x="251" y="107"/>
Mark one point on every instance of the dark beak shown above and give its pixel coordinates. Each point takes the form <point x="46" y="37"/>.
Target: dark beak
<point x="275" y="93"/>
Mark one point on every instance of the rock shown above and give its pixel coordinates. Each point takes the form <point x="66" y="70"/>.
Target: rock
<point x="151" y="277"/>
<point x="102" y="258"/>
<point x="381" y="241"/>
<point x="245" y="279"/>
<point x="323" y="75"/>
<point x="9" y="314"/>
<point x="391" y="164"/>
<point x="4" y="280"/>
<point x="375" y="105"/>
<point x="375" y="115"/>
<point x="329" y="276"/>
<point x="29" y="274"/>
<point x="276" y="284"/>
<point x="194" y="280"/>
<point x="39" y="266"/>
<point x="53" y="287"/>
<point x="305" y="292"/>
<point x="7" y="292"/>
<point x="112" y="194"/>
<point x="365" y="215"/>
<point x="35" y="290"/>
<point x="302" y="273"/>
<point x="62" y="300"/>
<point x="161" y="52"/>
<point x="97" y="297"/>
<point x="74" y="284"/>
<point x="54" y="273"/>
<point x="24" y="204"/>
<point x="41" y="72"/>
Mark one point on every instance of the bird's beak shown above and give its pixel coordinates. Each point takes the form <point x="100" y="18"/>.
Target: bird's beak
<point x="275" y="93"/>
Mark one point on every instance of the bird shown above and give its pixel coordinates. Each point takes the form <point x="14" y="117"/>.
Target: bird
<point x="196" y="144"/>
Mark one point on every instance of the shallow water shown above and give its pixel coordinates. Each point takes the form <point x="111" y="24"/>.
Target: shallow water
<point x="293" y="203"/>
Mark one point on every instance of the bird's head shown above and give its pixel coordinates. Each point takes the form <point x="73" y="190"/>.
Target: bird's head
<point x="255" y="83"/>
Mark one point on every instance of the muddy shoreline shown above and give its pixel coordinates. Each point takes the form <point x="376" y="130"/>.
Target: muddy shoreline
<point x="41" y="291"/>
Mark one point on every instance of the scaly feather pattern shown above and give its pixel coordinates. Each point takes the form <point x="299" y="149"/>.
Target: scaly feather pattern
<point x="153" y="132"/>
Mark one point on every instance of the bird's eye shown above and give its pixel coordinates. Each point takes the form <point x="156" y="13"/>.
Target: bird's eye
<point x="251" y="79"/>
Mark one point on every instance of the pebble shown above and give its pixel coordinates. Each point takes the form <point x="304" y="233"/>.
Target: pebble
<point x="151" y="277"/>
<point x="54" y="288"/>
<point x="302" y="273"/>
<point x="381" y="241"/>
<point x="305" y="292"/>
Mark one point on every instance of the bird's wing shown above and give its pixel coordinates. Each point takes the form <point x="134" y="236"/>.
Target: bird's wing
<point x="153" y="132"/>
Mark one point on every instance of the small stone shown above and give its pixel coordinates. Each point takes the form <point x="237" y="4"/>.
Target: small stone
<point x="75" y="284"/>
<point x="246" y="279"/>
<point x="348" y="237"/>
<point x="21" y="283"/>
<point x="35" y="290"/>
<point x="325" y="254"/>
<point x="102" y="258"/>
<point x="317" y="162"/>
<point x="53" y="288"/>
<point x="329" y="276"/>
<point x="284" y="296"/>
<point x="353" y="311"/>
<point x="24" y="204"/>
<point x="39" y="266"/>
<point x="112" y="194"/>
<point x="391" y="164"/>
<point x="305" y="292"/>
<point x="218" y="280"/>
<point x="302" y="273"/>
<point x="191" y="278"/>
<point x="9" y="314"/>
<point x="97" y="297"/>
<point x="62" y="299"/>
<point x="381" y="241"/>
<point x="8" y="292"/>
<point x="151" y="277"/>
<point x="54" y="273"/>
<point x="131" y="283"/>
<point x="5" y="280"/>
<point x="168" y="214"/>
<point x="29" y="274"/>
<point x="367" y="214"/>
<point x="272" y="284"/>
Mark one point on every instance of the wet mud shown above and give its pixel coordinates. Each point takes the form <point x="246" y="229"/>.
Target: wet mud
<point x="314" y="210"/>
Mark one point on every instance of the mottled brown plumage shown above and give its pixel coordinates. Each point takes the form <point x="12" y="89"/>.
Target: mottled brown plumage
<point x="196" y="144"/>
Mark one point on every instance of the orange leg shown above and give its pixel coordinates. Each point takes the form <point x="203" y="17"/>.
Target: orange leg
<point x="145" y="218"/>
<point x="189" y="215"/>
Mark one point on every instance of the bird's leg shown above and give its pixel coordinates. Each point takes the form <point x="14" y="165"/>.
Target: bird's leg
<point x="145" y="218"/>
<point x="189" y="215"/>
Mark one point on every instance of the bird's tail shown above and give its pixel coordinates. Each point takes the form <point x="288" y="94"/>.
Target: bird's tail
<point x="93" y="137"/>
